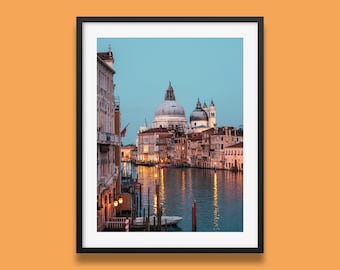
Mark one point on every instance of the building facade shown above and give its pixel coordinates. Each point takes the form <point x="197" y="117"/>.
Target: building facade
<point x="129" y="153"/>
<point x="210" y="148"/>
<point x="108" y="140"/>
<point x="150" y="142"/>
<point x="220" y="139"/>
<point x="234" y="157"/>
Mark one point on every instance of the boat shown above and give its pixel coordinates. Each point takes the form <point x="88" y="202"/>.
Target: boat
<point x="165" y="220"/>
<point x="162" y="165"/>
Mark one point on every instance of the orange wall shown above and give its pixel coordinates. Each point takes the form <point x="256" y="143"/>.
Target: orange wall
<point x="37" y="111"/>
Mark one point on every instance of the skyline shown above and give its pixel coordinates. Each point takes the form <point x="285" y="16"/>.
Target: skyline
<point x="204" y="68"/>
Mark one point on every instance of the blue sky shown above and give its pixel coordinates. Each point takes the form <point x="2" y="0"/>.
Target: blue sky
<point x="204" y="68"/>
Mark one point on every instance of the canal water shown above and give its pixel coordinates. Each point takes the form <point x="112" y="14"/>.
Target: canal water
<point x="218" y="196"/>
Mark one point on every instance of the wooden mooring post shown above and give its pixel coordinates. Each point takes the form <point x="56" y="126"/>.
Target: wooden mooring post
<point x="140" y="197"/>
<point x="193" y="219"/>
<point x="159" y="214"/>
<point x="166" y="225"/>
<point x="148" y="219"/>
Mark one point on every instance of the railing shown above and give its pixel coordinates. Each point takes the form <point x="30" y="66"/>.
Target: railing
<point x="109" y="138"/>
<point x="117" y="224"/>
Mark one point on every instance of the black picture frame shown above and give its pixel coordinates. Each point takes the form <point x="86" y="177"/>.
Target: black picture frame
<point x="81" y="233"/>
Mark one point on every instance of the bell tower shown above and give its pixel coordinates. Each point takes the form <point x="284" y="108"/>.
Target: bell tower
<point x="212" y="115"/>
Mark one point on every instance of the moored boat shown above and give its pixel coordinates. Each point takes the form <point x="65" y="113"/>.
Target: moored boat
<point x="165" y="220"/>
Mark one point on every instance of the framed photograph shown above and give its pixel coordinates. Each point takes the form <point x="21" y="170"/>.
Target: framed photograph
<point x="170" y="134"/>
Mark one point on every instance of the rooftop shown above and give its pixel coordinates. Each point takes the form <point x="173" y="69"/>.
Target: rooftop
<point x="237" y="145"/>
<point x="155" y="130"/>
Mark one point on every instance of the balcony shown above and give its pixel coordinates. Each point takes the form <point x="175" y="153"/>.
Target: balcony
<point x="108" y="138"/>
<point x="105" y="181"/>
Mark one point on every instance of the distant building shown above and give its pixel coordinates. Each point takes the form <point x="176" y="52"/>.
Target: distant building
<point x="201" y="144"/>
<point x="170" y="113"/>
<point x="199" y="119"/>
<point x="195" y="150"/>
<point x="212" y="115"/>
<point x="234" y="157"/>
<point x="202" y="118"/>
<point x="222" y="138"/>
<point x="149" y="145"/>
<point x="129" y="153"/>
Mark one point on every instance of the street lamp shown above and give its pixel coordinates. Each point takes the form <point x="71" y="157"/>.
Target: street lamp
<point x="118" y="201"/>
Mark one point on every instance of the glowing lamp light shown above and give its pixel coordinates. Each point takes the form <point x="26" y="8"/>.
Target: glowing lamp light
<point x="115" y="203"/>
<point x="120" y="200"/>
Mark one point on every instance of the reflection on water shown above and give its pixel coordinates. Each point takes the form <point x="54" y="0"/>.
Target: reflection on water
<point x="219" y="196"/>
<point x="216" y="215"/>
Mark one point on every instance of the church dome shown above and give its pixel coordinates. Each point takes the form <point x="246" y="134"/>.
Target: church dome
<point x="170" y="113"/>
<point x="198" y="114"/>
<point x="169" y="107"/>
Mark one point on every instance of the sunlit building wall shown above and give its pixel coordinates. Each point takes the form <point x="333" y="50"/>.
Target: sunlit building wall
<point x="148" y="145"/>
<point x="220" y="139"/>
<point x="129" y="153"/>
<point x="194" y="150"/>
<point x="234" y="157"/>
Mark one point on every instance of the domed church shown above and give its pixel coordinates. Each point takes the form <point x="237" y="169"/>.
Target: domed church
<point x="202" y="118"/>
<point x="199" y="117"/>
<point x="170" y="113"/>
